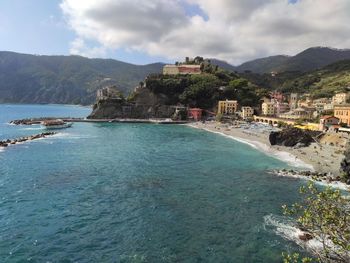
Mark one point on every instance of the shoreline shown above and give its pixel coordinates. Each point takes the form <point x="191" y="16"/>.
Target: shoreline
<point x="261" y="146"/>
<point x="320" y="158"/>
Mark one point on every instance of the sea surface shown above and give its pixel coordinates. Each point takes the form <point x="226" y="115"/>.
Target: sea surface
<point x="136" y="193"/>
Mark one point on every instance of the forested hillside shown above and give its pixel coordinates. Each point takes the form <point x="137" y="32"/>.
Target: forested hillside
<point x="64" y="79"/>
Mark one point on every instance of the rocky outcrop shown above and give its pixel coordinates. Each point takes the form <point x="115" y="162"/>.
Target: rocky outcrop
<point x="305" y="236"/>
<point x="293" y="137"/>
<point x="7" y="142"/>
<point x="345" y="165"/>
<point x="312" y="175"/>
<point x="145" y="104"/>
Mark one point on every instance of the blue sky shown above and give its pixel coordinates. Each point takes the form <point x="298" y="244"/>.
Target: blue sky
<point x="39" y="27"/>
<point x="33" y="26"/>
<point x="149" y="31"/>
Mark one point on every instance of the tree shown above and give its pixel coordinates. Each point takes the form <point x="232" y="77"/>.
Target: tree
<point x="219" y="117"/>
<point x="326" y="216"/>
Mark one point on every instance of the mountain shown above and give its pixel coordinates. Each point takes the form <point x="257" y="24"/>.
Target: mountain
<point x="309" y="59"/>
<point x="323" y="82"/>
<point x="263" y="65"/>
<point x="64" y="79"/>
<point x="75" y="79"/>
<point x="222" y="64"/>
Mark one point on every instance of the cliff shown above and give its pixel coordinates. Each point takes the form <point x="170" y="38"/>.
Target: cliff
<point x="159" y="94"/>
<point x="144" y="104"/>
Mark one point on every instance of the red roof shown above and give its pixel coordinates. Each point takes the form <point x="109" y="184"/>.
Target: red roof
<point x="328" y="116"/>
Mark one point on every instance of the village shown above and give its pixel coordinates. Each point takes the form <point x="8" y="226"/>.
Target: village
<point x="300" y="110"/>
<point x="328" y="114"/>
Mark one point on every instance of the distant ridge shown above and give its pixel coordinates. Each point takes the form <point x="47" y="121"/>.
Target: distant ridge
<point x="307" y="60"/>
<point x="64" y="79"/>
<point x="74" y="79"/>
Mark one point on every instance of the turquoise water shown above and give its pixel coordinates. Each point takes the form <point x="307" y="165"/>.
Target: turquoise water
<point x="135" y="193"/>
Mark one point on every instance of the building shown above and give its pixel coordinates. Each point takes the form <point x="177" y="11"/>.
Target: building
<point x="170" y="70"/>
<point x="247" y="112"/>
<point x="307" y="102"/>
<point x="343" y="113"/>
<point x="319" y="107"/>
<point x="268" y="108"/>
<point x="328" y="107"/>
<point x="281" y="107"/>
<point x="293" y="102"/>
<point x="340" y="98"/>
<point x="195" y="114"/>
<point x="227" y="107"/>
<point x="322" y="100"/>
<point x="108" y="93"/>
<point x="299" y="113"/>
<point x="276" y="95"/>
<point x="181" y="69"/>
<point x="327" y="121"/>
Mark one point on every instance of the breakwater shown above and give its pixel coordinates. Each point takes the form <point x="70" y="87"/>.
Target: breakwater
<point x="32" y="121"/>
<point x="5" y="143"/>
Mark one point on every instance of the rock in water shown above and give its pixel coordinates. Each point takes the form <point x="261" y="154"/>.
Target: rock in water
<point x="305" y="236"/>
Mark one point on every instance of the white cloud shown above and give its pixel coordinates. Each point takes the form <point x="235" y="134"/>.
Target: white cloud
<point x="79" y="47"/>
<point x="233" y="30"/>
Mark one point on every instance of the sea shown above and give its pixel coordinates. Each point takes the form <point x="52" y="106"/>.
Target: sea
<point x="117" y="192"/>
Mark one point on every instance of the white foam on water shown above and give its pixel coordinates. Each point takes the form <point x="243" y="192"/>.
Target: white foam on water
<point x="33" y="128"/>
<point x="285" y="228"/>
<point x="338" y="185"/>
<point x="71" y="136"/>
<point x="289" y="158"/>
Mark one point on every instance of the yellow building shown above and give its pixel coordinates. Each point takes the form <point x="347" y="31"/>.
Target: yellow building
<point x="268" y="108"/>
<point x="227" y="107"/>
<point x="247" y="112"/>
<point x="170" y="70"/>
<point x="342" y="112"/>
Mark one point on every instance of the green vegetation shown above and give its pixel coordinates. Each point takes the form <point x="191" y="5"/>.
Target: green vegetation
<point x="320" y="83"/>
<point x="74" y="79"/>
<point x="219" y="117"/>
<point x="326" y="216"/>
<point x="64" y="79"/>
<point x="206" y="89"/>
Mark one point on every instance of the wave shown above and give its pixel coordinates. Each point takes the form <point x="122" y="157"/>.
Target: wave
<point x="73" y="136"/>
<point x="287" y="229"/>
<point x="286" y="157"/>
<point x="334" y="184"/>
<point x="33" y="128"/>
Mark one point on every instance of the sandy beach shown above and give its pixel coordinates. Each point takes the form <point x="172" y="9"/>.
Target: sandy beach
<point x="317" y="157"/>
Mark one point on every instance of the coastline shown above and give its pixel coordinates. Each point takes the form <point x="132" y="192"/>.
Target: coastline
<point x="320" y="158"/>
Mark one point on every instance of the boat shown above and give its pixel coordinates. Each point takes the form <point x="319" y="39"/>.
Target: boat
<point x="55" y="124"/>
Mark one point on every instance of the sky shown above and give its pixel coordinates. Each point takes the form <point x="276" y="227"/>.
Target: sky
<point x="146" y="31"/>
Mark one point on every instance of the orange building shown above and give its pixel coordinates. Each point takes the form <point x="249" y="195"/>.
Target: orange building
<point x="343" y="113"/>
